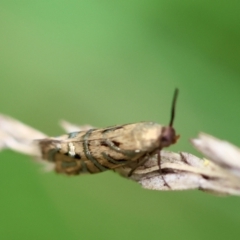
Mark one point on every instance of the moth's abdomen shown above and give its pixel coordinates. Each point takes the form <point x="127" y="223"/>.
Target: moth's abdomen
<point x="52" y="152"/>
<point x="84" y="155"/>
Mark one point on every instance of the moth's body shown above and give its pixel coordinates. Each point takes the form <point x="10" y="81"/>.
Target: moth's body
<point x="97" y="150"/>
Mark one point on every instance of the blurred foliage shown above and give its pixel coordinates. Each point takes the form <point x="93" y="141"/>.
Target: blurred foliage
<point x="106" y="63"/>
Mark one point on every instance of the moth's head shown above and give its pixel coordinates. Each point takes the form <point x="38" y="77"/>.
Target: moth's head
<point x="168" y="135"/>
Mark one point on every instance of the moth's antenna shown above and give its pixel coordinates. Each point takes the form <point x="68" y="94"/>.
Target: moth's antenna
<point x="173" y="107"/>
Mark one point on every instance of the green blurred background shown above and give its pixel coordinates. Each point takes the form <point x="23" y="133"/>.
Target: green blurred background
<point x="115" y="62"/>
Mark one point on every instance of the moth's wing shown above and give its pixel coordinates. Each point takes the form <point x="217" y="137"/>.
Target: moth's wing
<point x="98" y="149"/>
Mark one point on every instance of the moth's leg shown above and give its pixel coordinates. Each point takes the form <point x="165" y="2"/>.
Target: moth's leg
<point x="142" y="161"/>
<point x="160" y="170"/>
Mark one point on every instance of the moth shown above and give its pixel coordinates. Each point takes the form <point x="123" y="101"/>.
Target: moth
<point x="98" y="150"/>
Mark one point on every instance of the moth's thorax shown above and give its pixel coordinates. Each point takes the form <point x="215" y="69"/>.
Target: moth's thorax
<point x="146" y="135"/>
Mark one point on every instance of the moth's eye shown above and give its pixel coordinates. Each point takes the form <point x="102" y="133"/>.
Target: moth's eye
<point x="164" y="139"/>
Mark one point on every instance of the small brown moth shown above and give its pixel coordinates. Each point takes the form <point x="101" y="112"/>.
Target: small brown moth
<point x="98" y="150"/>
